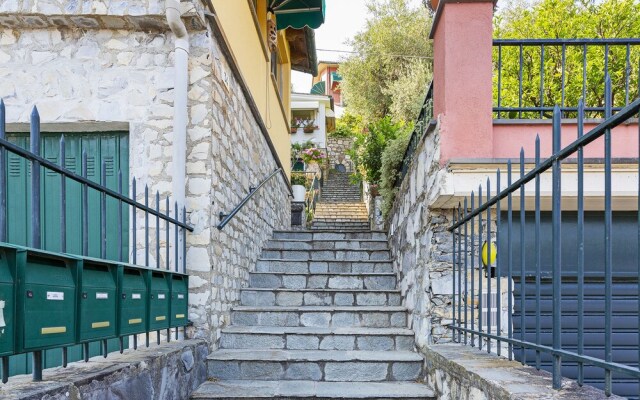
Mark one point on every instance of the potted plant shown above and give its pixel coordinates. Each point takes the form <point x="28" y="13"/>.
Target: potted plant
<point x="295" y="124"/>
<point x="298" y="182"/>
<point x="313" y="155"/>
<point x="308" y="126"/>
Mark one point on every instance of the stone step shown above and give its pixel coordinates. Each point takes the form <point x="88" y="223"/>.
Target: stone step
<point x="338" y="226"/>
<point x="251" y="389"/>
<point x="330" y="235"/>
<point x="319" y="266"/>
<point x="316" y="365"/>
<point x="359" y="316"/>
<point x="337" y="255"/>
<point x="331" y="219"/>
<point x="313" y="338"/>
<point x="322" y="244"/>
<point x="318" y="297"/>
<point x="323" y="280"/>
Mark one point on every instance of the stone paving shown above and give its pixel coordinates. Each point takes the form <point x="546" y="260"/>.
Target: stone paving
<point x="318" y="313"/>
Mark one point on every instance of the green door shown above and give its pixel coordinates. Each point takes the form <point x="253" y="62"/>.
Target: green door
<point x="112" y="148"/>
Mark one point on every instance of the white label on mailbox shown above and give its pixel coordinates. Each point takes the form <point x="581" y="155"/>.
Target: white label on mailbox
<point x="102" y="296"/>
<point x="136" y="296"/>
<point x="160" y="296"/>
<point x="55" y="295"/>
<point x="180" y="296"/>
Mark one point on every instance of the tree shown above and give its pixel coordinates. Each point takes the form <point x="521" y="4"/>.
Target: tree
<point x="567" y="19"/>
<point x="371" y="143"/>
<point x="390" y="73"/>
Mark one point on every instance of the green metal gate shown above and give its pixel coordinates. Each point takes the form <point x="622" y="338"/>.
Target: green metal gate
<point x="110" y="148"/>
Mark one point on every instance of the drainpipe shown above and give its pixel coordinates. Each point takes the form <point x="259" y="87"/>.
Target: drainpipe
<point x="179" y="106"/>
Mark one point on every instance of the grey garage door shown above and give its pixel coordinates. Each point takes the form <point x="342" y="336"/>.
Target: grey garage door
<point x="625" y="292"/>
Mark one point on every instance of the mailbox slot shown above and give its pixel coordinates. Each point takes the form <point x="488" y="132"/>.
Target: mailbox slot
<point x="179" y="299"/>
<point x="97" y="301"/>
<point x="133" y="298"/>
<point x="159" y="301"/>
<point x="47" y="301"/>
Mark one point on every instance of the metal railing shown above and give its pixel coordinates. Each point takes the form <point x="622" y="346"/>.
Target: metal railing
<point x="59" y="215"/>
<point x="551" y="259"/>
<point x="423" y="122"/>
<point x="226" y="218"/>
<point x="532" y="75"/>
<point x="314" y="182"/>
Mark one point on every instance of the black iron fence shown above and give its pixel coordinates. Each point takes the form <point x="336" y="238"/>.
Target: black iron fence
<point x="61" y="283"/>
<point x="422" y="125"/>
<point x="533" y="75"/>
<point x="548" y="296"/>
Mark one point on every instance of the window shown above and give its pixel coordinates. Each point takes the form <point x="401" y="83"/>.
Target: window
<point x="303" y="114"/>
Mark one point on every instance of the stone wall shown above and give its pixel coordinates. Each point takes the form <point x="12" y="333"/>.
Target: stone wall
<point x="457" y="372"/>
<point x="421" y="245"/>
<point x="140" y="374"/>
<point x="79" y="75"/>
<point x="422" y="248"/>
<point x="337" y="148"/>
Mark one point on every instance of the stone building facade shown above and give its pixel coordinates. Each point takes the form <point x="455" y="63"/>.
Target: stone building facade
<point x="100" y="66"/>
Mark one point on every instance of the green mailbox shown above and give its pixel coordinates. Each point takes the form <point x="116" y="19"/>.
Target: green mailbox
<point x="179" y="299"/>
<point x="133" y="298"/>
<point x="46" y="300"/>
<point x="97" y="303"/>
<point x="7" y="299"/>
<point x="159" y="299"/>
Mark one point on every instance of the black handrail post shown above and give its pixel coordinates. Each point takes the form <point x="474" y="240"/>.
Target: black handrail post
<point x="34" y="140"/>
<point x="556" y="254"/>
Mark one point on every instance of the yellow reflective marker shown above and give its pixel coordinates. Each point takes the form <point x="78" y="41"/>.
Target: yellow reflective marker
<point x="104" y="324"/>
<point x="492" y="254"/>
<point x="179" y="316"/>
<point x="135" y="321"/>
<point x="161" y="318"/>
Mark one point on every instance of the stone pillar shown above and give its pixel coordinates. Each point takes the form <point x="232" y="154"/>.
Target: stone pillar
<point x="462" y="77"/>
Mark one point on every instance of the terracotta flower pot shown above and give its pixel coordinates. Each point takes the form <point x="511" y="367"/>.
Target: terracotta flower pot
<point x="309" y="129"/>
<point x="294" y="130"/>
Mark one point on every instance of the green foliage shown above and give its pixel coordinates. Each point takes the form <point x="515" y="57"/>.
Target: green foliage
<point x="348" y="125"/>
<point x="369" y="145"/>
<point x="298" y="179"/>
<point x="390" y="169"/>
<point x="567" y="19"/>
<point x="390" y="72"/>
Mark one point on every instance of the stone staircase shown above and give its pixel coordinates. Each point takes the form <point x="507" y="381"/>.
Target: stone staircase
<point x="321" y="318"/>
<point x="340" y="206"/>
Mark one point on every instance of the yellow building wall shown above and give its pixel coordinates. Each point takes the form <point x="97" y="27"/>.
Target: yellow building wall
<point x="246" y="36"/>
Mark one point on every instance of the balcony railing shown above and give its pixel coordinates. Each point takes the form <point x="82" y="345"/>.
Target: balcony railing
<point x="531" y="76"/>
<point x="531" y="267"/>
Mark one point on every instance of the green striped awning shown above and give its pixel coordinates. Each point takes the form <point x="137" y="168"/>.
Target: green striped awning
<point x="298" y="13"/>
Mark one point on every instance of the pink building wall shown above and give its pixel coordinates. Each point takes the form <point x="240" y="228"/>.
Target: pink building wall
<point x="509" y="138"/>
<point x="462" y="78"/>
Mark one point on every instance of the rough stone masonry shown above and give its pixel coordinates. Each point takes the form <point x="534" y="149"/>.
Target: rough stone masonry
<point x="95" y="63"/>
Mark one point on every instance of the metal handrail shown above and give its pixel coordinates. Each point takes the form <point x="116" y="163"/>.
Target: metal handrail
<point x="422" y="123"/>
<point x="226" y="218"/>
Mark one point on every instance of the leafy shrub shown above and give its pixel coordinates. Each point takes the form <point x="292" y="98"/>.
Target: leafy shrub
<point x="298" y="179"/>
<point x="390" y="169"/>
<point x="368" y="147"/>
